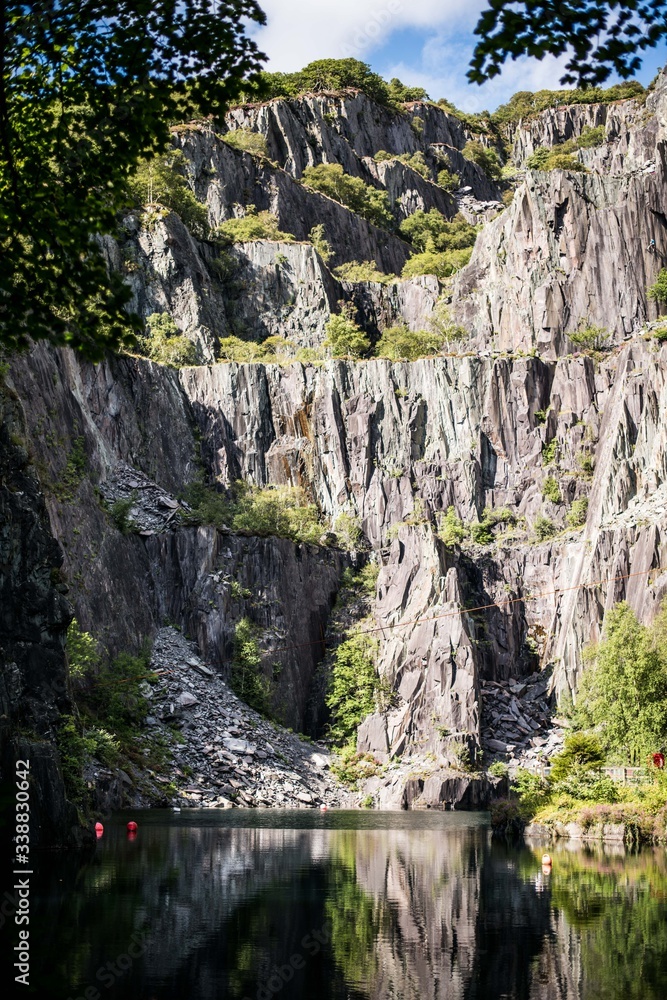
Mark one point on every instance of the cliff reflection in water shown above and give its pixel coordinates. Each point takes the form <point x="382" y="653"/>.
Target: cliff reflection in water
<point x="426" y="908"/>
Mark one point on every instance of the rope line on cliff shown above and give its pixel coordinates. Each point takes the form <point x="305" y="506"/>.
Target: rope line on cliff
<point x="458" y="611"/>
<point x="482" y="607"/>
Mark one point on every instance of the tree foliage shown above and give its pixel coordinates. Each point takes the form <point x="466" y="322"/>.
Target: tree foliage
<point x="247" y="679"/>
<point x="623" y="692"/>
<point x="658" y="290"/>
<point x="368" y="202"/>
<point x="485" y="157"/>
<point x="251" y="227"/>
<point x="442" y="265"/>
<point x="527" y="104"/>
<point x="162" y="181"/>
<point x="344" y="337"/>
<point x="554" y="159"/>
<point x="601" y="37"/>
<point x="354" y="686"/>
<point x="432" y="231"/>
<point x="363" y="270"/>
<point x="590" y="338"/>
<point x="580" y="750"/>
<point x="88" y="90"/>
<point x="164" y="343"/>
<point x="399" y="343"/>
<point x="335" y="75"/>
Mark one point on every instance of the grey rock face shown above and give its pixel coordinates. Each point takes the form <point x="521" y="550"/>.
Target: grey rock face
<point x="226" y="179"/>
<point x="389" y="442"/>
<point x="572" y="247"/>
<point x="395" y="445"/>
<point x="350" y="130"/>
<point x="542" y="267"/>
<point x="33" y="619"/>
<point x="559" y="124"/>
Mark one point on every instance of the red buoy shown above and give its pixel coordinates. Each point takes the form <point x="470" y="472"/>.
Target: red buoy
<point x="132" y="827"/>
<point x="99" y="830"/>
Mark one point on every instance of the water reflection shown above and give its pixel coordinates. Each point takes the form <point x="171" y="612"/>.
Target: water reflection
<point x="202" y="907"/>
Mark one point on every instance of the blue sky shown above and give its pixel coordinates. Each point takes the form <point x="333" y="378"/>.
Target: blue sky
<point x="424" y="42"/>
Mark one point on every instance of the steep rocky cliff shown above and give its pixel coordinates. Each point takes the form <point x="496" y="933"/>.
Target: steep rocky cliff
<point x="34" y="617"/>
<point x="573" y="246"/>
<point x="511" y="431"/>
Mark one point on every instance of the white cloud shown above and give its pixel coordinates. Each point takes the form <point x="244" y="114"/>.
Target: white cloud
<point x="443" y="69"/>
<point x="299" y="31"/>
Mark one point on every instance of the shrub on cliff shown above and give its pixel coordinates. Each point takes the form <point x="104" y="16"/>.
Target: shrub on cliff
<point x="163" y="181"/>
<point x="344" y="337"/>
<point x="83" y="655"/>
<point x="251" y="227"/>
<point x="554" y="159"/>
<point x="544" y="528"/>
<point x="448" y="180"/>
<point x="355" y="689"/>
<point x="366" y="270"/>
<point x="246" y="679"/>
<point x="247" y="141"/>
<point x="658" y="290"/>
<point x="441" y="322"/>
<point x="551" y="490"/>
<point x="442" y="265"/>
<point x="398" y="343"/>
<point x="452" y="531"/>
<point x="590" y="338"/>
<point x="484" y="157"/>
<point x="279" y="510"/>
<point x="432" y="231"/>
<point x="368" y="202"/>
<point x="320" y="242"/>
<point x="577" y="514"/>
<point x="591" y="137"/>
<point x="273" y="350"/>
<point x="164" y="343"/>
<point x="443" y="246"/>
<point x="416" y="161"/>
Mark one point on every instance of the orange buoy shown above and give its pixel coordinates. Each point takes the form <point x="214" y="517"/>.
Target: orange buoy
<point x="546" y="861"/>
<point x="99" y="829"/>
<point x="132" y="827"/>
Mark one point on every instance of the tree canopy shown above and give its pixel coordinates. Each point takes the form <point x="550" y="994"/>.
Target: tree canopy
<point x="623" y="692"/>
<point x="88" y="90"/>
<point x="601" y="37"/>
<point x="335" y="75"/>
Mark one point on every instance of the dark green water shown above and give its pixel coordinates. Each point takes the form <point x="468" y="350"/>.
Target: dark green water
<point x="300" y="906"/>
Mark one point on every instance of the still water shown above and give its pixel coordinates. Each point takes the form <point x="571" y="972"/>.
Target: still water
<point x="344" y="906"/>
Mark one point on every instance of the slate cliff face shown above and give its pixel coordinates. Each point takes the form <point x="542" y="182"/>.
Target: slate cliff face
<point x="33" y="618"/>
<point x="572" y="247"/>
<point x="394" y="444"/>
